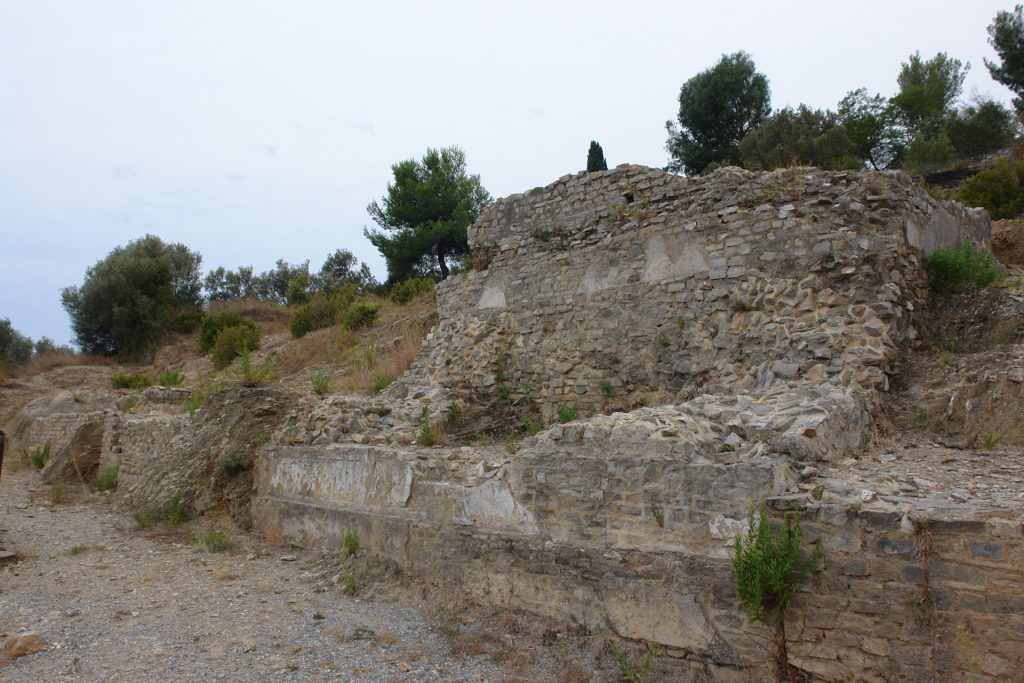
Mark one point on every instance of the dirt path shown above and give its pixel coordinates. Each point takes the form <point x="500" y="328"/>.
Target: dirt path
<point x="115" y="605"/>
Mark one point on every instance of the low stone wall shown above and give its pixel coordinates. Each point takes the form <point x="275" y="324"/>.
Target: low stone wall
<point x="133" y="443"/>
<point x="633" y="534"/>
<point x="605" y="285"/>
<point x="57" y="430"/>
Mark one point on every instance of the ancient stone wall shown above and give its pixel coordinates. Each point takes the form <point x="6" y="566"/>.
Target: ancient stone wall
<point x="56" y="429"/>
<point x="605" y="285"/>
<point x="626" y="523"/>
<point x="134" y="443"/>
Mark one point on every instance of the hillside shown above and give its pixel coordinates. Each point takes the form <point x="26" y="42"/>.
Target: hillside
<point x="584" y="422"/>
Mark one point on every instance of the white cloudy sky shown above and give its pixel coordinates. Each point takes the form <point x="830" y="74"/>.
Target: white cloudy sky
<point x="252" y="130"/>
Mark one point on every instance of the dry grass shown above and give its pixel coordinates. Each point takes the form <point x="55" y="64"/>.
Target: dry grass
<point x="373" y="366"/>
<point x="271" y="317"/>
<point x="59" y="359"/>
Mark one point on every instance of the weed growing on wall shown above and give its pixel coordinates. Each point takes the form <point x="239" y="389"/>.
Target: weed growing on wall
<point x="768" y="569"/>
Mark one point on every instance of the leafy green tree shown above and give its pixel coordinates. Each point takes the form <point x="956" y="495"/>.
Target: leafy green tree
<point x="228" y="285"/>
<point x="980" y="128"/>
<point x="341" y="268"/>
<point x="595" y="158"/>
<point x="272" y="285"/>
<point x="925" y="154"/>
<point x="717" y="108"/>
<point x="802" y="136"/>
<point x="124" y="304"/>
<point x="15" y="348"/>
<point x="869" y="123"/>
<point x="425" y="213"/>
<point x="927" y="93"/>
<point x="1006" y="36"/>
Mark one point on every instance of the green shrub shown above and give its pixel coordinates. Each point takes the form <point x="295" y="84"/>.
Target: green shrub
<point x="170" y="378"/>
<point x="382" y="382"/>
<point x="213" y="325"/>
<point x="134" y="381"/>
<point x="360" y="315"/>
<point x="405" y="291"/>
<point x="145" y="518"/>
<point x="194" y="403"/>
<point x="350" y="542"/>
<point x="107" y="479"/>
<point x="187" y="321"/>
<point x="39" y="456"/>
<point x="767" y="572"/>
<point x="999" y="190"/>
<point x="253" y="374"/>
<point x="321" y="383"/>
<point x="568" y="412"/>
<point x="323" y="310"/>
<point x="962" y="269"/>
<point x="233" y="342"/>
<point x="231" y="464"/>
<point x="926" y="154"/>
<point x="176" y="511"/>
<point x="213" y="541"/>
<point x="426" y="436"/>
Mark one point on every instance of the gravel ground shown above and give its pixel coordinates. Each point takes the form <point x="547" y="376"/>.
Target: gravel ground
<point x="115" y="604"/>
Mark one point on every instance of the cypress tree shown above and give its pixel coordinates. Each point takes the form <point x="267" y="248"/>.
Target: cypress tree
<point x="595" y="158"/>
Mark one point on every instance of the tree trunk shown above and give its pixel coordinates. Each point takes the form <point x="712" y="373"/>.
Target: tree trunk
<point x="781" y="655"/>
<point x="440" y="262"/>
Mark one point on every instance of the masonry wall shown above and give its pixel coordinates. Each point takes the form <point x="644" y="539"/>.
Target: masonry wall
<point x="606" y="285"/>
<point x="636" y="539"/>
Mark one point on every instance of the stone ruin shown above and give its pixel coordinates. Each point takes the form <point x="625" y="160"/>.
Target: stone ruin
<point x="722" y="341"/>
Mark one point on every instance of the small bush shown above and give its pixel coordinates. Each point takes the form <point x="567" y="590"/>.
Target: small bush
<point x="767" y="572"/>
<point x="176" y="511"/>
<point x="321" y="383"/>
<point x="382" y="382"/>
<point x="187" y="321"/>
<point x="231" y="464"/>
<point x="107" y="479"/>
<point x="194" y="403"/>
<point x="213" y="541"/>
<point x="133" y="381"/>
<point x="170" y="378"/>
<point x="999" y="190"/>
<point x="962" y="269"/>
<point x="253" y="374"/>
<point x="39" y="456"/>
<point x="568" y="412"/>
<point x="426" y="436"/>
<point x="360" y="315"/>
<point x="56" y="492"/>
<point x="350" y="542"/>
<point x="233" y="342"/>
<point x="323" y="310"/>
<point x="145" y="518"/>
<point x="405" y="291"/>
<point x="213" y="325"/>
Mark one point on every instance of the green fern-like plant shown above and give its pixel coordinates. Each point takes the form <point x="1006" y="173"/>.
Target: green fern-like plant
<point x="768" y="570"/>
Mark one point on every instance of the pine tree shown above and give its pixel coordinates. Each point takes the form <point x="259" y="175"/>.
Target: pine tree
<point x="595" y="158"/>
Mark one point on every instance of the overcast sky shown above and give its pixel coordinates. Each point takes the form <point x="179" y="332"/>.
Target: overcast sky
<point x="254" y="130"/>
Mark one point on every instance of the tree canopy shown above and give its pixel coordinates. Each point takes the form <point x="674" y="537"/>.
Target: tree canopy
<point x="928" y="91"/>
<point x="717" y="108"/>
<point x="125" y="303"/>
<point x="800" y="136"/>
<point x="595" y="158"/>
<point x="425" y="213"/>
<point x="15" y="348"/>
<point x="1006" y="36"/>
